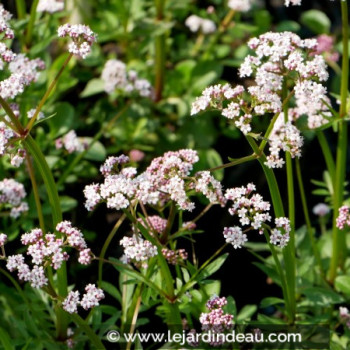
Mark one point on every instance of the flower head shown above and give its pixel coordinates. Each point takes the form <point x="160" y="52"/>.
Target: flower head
<point x="82" y="38"/>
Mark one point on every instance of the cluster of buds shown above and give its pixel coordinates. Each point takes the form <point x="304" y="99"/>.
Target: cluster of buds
<point x="90" y="299"/>
<point x="82" y="38"/>
<point x="116" y="77"/>
<point x="155" y="223"/>
<point x="216" y="321"/>
<point x="343" y="218"/>
<point x="174" y="256"/>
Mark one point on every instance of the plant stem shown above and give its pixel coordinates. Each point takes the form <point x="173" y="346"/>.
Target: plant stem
<point x="310" y="230"/>
<point x="175" y="316"/>
<point x="106" y="245"/>
<point x="21" y="9"/>
<point x="36" y="193"/>
<point x="159" y="53"/>
<point x="339" y="242"/>
<point x="134" y="317"/>
<point x="16" y="123"/>
<point x="326" y="153"/>
<point x="31" y="22"/>
<point x="290" y="249"/>
<point x="227" y="20"/>
<point x="287" y="278"/>
<point x="236" y="162"/>
<point x="47" y="93"/>
<point x="94" y="338"/>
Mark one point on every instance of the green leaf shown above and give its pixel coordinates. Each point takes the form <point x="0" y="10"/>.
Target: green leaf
<point x="212" y="267"/>
<point x="93" y="87"/>
<point x="342" y="284"/>
<point x="204" y="74"/>
<point x="323" y="297"/>
<point x="316" y="20"/>
<point x="112" y="290"/>
<point x="96" y="152"/>
<point x="266" y="302"/>
<point x="63" y="120"/>
<point x="246" y="313"/>
<point x="288" y="26"/>
<point x="214" y="159"/>
<point x="5" y="340"/>
<point x="67" y="203"/>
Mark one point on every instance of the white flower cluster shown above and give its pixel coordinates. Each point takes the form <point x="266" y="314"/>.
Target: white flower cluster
<point x="321" y="209"/>
<point x="284" y="137"/>
<point x="235" y="236"/>
<point x="167" y="178"/>
<point x="5" y="29"/>
<point x="216" y="96"/>
<point x="23" y="70"/>
<point x="12" y="194"/>
<point x="50" y="6"/>
<point x="285" y="54"/>
<point x="240" y="5"/>
<point x="196" y="23"/>
<point x="116" y="76"/>
<point x="47" y="250"/>
<point x="71" y="143"/>
<point x="137" y="251"/>
<point x="280" y="234"/>
<point x="82" y="38"/>
<point x="90" y="299"/>
<point x="253" y="211"/>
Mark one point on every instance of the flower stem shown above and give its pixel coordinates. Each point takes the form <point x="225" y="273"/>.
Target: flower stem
<point x="21" y="9"/>
<point x="16" y="123"/>
<point x="326" y="153"/>
<point x="339" y="243"/>
<point x="31" y="22"/>
<point x="236" y="162"/>
<point x="287" y="278"/>
<point x="47" y="93"/>
<point x="159" y="53"/>
<point x="106" y="245"/>
<point x="226" y="21"/>
<point x="94" y="338"/>
<point x="36" y="193"/>
<point x="309" y="227"/>
<point x="290" y="249"/>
